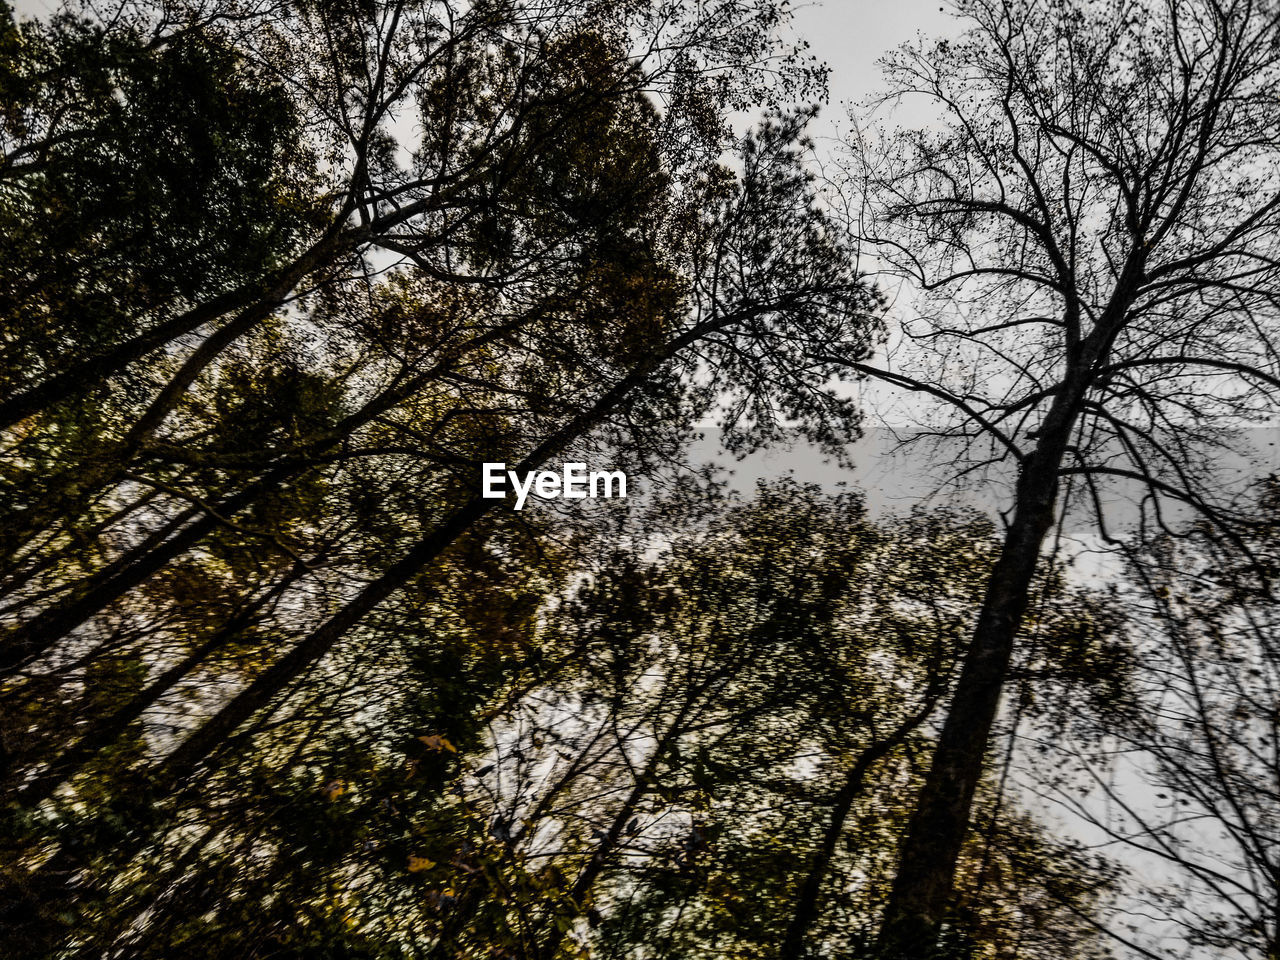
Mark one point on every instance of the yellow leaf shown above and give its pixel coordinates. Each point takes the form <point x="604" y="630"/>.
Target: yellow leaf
<point x="420" y="863"/>
<point x="438" y="742"/>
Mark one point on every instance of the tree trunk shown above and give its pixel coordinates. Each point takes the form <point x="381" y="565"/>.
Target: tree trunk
<point x="75" y="380"/>
<point x="172" y="776"/>
<point x="40" y="634"/>
<point x="806" y="910"/>
<point x="103" y="731"/>
<point x="602" y="858"/>
<point x="87" y="373"/>
<point x="922" y="888"/>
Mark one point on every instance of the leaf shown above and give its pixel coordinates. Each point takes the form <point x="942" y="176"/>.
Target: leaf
<point x="334" y="789"/>
<point x="417" y="864"/>
<point x="438" y="742"/>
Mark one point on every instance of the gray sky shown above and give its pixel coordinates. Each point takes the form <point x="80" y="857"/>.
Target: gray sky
<point x="851" y="35"/>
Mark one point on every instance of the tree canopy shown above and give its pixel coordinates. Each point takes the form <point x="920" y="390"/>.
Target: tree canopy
<point x="279" y="679"/>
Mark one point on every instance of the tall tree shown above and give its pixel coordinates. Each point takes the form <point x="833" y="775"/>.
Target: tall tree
<point x="1091" y="231"/>
<point x="243" y="476"/>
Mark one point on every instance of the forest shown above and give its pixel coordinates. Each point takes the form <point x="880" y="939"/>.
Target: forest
<point x="291" y="289"/>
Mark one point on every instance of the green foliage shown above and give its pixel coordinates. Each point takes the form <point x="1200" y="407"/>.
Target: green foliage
<point x="138" y="179"/>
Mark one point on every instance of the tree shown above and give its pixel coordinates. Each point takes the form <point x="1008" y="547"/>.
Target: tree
<point x="459" y="208"/>
<point x="656" y="781"/>
<point x="264" y="466"/>
<point x="1196" y="726"/>
<point x="1091" y="230"/>
<point x="558" y="218"/>
<point x="553" y="737"/>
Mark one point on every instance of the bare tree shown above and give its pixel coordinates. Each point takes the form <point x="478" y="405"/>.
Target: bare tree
<point x="1198" y="728"/>
<point x="1092" y="236"/>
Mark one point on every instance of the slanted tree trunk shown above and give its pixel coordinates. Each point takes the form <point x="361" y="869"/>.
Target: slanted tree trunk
<point x="104" y="731"/>
<point x="604" y="855"/>
<point x="922" y="888"/>
<point x="249" y="298"/>
<point x="931" y="848"/>
<point x="38" y="635"/>
<point x="213" y="733"/>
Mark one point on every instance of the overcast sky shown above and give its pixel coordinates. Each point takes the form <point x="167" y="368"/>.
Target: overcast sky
<point x="851" y="35"/>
